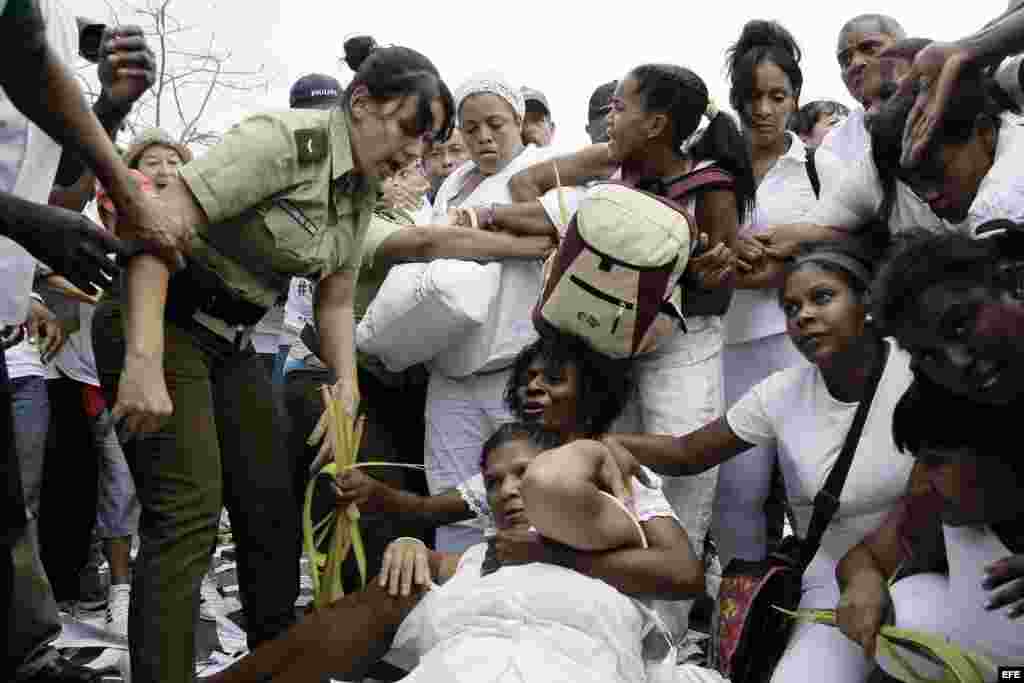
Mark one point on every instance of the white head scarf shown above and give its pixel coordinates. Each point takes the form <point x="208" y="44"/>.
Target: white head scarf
<point x="493" y="83"/>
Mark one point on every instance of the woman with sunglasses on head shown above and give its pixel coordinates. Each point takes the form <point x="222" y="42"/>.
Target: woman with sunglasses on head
<point x="282" y="195"/>
<point x="805" y="412"/>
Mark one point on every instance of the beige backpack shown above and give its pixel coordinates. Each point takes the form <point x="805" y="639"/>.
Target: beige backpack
<point x="615" y="272"/>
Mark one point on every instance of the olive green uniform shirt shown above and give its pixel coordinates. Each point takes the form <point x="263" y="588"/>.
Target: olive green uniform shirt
<point x="283" y="199"/>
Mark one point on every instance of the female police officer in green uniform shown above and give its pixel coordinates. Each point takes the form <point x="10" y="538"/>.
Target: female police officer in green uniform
<point x="285" y="194"/>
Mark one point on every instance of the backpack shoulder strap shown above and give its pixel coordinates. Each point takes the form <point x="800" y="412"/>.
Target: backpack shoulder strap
<point x="711" y="177"/>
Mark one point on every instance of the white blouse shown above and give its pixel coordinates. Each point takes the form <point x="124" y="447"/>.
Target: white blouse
<point x="794" y="410"/>
<point x="785" y="195"/>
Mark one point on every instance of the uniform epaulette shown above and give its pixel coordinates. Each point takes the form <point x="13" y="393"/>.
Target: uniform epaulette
<point x="311" y="144"/>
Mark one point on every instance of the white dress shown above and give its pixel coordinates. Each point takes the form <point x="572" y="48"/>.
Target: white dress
<point x="533" y="623"/>
<point x="794" y="410"/>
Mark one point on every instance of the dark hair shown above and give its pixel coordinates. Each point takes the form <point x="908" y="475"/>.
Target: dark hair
<point x="390" y="72"/>
<point x="760" y="42"/>
<point x="885" y="24"/>
<point x="864" y="252"/>
<point x="974" y="107"/>
<point x="682" y="94"/>
<point x="604" y="384"/>
<point x="920" y="259"/>
<point x="930" y="416"/>
<point x="532" y="433"/>
<point x="807" y="117"/>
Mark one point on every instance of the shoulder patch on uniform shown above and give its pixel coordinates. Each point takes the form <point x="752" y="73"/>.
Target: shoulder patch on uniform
<point x="312" y="144"/>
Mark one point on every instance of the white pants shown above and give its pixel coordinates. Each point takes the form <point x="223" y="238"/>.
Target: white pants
<point x="461" y="415"/>
<point x="744" y="482"/>
<point x="816" y="652"/>
<point x="679" y="391"/>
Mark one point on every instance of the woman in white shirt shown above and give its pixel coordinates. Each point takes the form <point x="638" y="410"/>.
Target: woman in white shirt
<point x="467" y="381"/>
<point x="966" y="487"/>
<point x="805" y="412"/>
<point x="973" y="172"/>
<point x="766" y="80"/>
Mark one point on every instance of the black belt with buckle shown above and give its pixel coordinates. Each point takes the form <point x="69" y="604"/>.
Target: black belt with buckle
<point x="195" y="296"/>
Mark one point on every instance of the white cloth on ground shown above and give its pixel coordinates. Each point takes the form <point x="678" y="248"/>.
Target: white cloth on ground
<point x="530" y="623"/>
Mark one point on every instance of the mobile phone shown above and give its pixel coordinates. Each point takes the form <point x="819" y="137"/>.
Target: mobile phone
<point x="90" y="38"/>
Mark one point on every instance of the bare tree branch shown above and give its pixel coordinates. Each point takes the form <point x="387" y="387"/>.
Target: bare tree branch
<point x="193" y="72"/>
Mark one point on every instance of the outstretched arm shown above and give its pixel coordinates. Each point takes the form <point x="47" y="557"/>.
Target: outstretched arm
<point x="689" y="454"/>
<point x="429" y="242"/>
<point x="589" y="163"/>
<point x="939" y="66"/>
<point x="376" y="497"/>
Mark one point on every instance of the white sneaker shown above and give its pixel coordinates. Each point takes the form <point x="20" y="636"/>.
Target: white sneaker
<point x="117" y="608"/>
<point x="212" y="604"/>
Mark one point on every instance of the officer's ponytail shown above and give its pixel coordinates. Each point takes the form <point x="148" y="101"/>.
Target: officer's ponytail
<point x="357" y="49"/>
<point x="392" y="72"/>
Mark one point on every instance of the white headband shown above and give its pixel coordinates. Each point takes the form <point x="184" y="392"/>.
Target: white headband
<point x="494" y="84"/>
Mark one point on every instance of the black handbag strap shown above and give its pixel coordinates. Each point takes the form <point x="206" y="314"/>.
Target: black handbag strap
<point x="812" y="174"/>
<point x="826" y="503"/>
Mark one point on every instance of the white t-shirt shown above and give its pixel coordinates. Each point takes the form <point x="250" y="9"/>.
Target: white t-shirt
<point x="28" y="165"/>
<point x="785" y="195"/>
<point x="794" y="411"/>
<point x="851" y="191"/>
<point x="1001" y="192"/>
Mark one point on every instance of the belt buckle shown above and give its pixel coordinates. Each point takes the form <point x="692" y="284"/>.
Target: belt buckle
<point x="238" y="336"/>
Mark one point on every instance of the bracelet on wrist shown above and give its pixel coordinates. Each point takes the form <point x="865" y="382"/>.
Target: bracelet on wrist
<point x="411" y="538"/>
<point x="486" y="216"/>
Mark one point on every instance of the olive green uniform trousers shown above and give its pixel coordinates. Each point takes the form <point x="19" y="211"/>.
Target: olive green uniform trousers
<point x="224" y="445"/>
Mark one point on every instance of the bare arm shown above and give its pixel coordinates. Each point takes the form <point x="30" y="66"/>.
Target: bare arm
<point x="574" y="169"/>
<point x="374" y="496"/>
<point x="667" y="569"/>
<point x="718" y="217"/>
<point x="333" y="307"/>
<point x="864" y="571"/>
<point x="689" y="454"/>
<point x="429" y="242"/>
<point x="526" y="218"/>
<point x="127" y="69"/>
<point x="43" y="89"/>
<point x="142" y="397"/>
